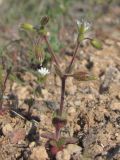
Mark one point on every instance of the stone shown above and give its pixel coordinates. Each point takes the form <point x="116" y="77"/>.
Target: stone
<point x="7" y="129"/>
<point x="71" y="115"/>
<point x="70" y="87"/>
<point x="39" y="153"/>
<point x="115" y="106"/>
<point x="71" y="90"/>
<point x="109" y="42"/>
<point x="77" y="128"/>
<point x="32" y="144"/>
<point x="74" y="149"/>
<point x="45" y="94"/>
<point x="58" y="81"/>
<point x="71" y="111"/>
<point x="17" y="136"/>
<point x="21" y="92"/>
<point x="77" y="103"/>
<point x="63" y="155"/>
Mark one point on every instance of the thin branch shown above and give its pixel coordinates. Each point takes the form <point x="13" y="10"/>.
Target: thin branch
<point x="51" y="51"/>
<point x="62" y="94"/>
<point x="73" y="57"/>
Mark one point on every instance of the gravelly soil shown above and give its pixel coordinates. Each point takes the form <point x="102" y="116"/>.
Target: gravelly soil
<point x="93" y="107"/>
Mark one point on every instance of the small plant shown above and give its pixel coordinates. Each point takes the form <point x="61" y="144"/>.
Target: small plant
<point x="3" y="81"/>
<point x="59" y="120"/>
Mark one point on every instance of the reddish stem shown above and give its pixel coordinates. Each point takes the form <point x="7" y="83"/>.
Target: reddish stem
<point x="63" y="80"/>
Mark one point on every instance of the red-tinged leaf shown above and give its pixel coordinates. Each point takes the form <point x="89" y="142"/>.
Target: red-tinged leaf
<point x="70" y="140"/>
<point x="50" y="136"/>
<point x="54" y="150"/>
<point x="58" y="143"/>
<point x="53" y="143"/>
<point x="59" y="122"/>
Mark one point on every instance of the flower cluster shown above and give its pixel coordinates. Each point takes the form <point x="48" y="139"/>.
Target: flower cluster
<point x="84" y="25"/>
<point x="43" y="71"/>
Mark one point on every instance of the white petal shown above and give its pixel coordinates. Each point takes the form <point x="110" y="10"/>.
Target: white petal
<point x="43" y="71"/>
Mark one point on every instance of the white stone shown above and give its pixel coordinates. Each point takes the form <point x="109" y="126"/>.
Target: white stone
<point x="71" y="111"/>
<point x="73" y="148"/>
<point x="39" y="153"/>
<point x="63" y="155"/>
<point x="7" y="129"/>
<point x="115" y="106"/>
<point x="32" y="144"/>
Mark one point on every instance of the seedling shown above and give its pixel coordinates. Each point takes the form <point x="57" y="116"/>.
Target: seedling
<point x="3" y="81"/>
<point x="59" y="120"/>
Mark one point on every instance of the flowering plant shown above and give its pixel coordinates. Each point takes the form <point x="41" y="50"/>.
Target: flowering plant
<point x="56" y="141"/>
<point x="3" y="80"/>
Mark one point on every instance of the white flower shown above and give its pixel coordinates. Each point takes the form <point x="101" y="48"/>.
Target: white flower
<point x="43" y="71"/>
<point x="84" y="24"/>
<point x="87" y="25"/>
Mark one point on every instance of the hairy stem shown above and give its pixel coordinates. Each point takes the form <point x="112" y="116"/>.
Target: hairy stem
<point x="57" y="133"/>
<point x="63" y="80"/>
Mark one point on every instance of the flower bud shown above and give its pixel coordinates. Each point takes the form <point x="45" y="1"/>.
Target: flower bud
<point x="27" y="26"/>
<point x="44" y="20"/>
<point x="83" y="76"/>
<point x="96" y="44"/>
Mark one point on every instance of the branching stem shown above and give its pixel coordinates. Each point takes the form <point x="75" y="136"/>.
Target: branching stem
<point x="63" y="80"/>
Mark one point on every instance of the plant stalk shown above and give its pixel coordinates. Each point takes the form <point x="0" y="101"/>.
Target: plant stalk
<point x="57" y="133"/>
<point x="63" y="80"/>
<point x="4" y="87"/>
<point x="73" y="57"/>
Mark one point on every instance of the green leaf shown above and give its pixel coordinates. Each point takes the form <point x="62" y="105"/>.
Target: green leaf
<point x="53" y="143"/>
<point x="96" y="44"/>
<point x="61" y="142"/>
